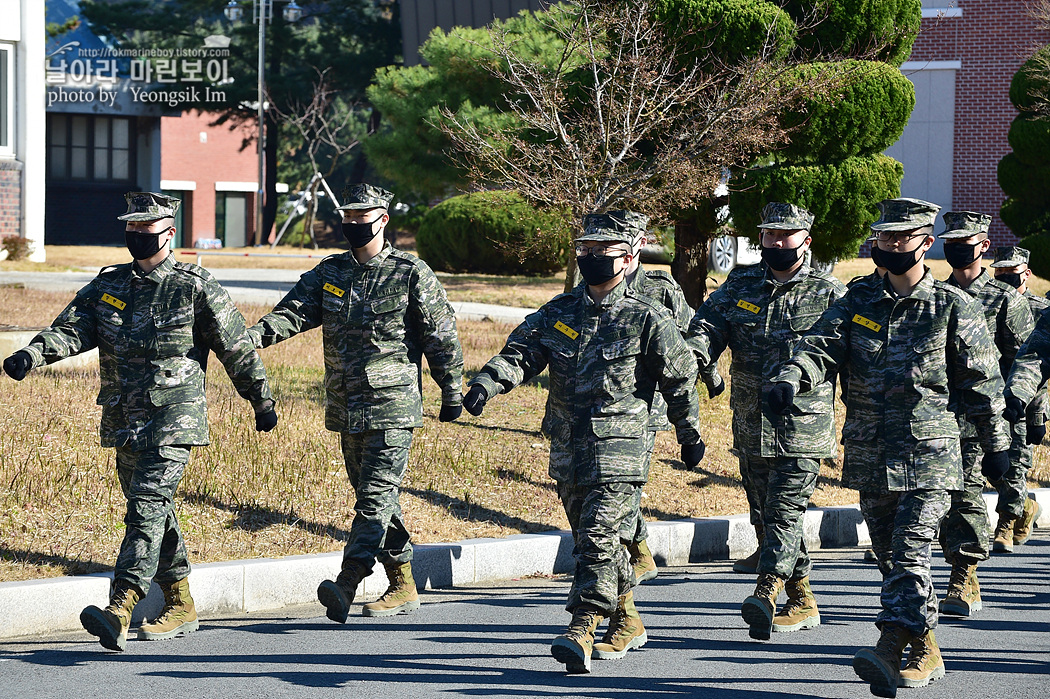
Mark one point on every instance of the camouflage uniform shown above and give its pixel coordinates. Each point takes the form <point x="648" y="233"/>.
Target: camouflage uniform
<point x="965" y="530"/>
<point x="154" y="332"/>
<point x="904" y="356"/>
<point x="759" y="319"/>
<point x="605" y="360"/>
<point x="378" y="319"/>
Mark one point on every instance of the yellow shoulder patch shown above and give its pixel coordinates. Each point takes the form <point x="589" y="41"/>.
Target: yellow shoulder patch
<point x="869" y="324"/>
<point x="114" y="301"/>
<point x="565" y="329"/>
<point x="334" y="290"/>
<point x="747" y="306"/>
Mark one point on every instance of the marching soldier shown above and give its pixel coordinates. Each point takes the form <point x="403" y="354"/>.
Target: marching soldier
<point x="965" y="532"/>
<point x="1017" y="512"/>
<point x="759" y="313"/>
<point x="154" y="322"/>
<point x="907" y="343"/>
<point x="607" y="351"/>
<point x="380" y="310"/>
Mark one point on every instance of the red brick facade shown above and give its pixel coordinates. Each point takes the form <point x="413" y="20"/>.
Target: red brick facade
<point x="10" y="197"/>
<point x="194" y="151"/>
<point x="991" y="39"/>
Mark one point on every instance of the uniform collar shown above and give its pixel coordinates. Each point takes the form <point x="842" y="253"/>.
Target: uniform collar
<point x="611" y="298"/>
<point x="801" y="273"/>
<point x="976" y="285"/>
<point x="379" y="257"/>
<point x="923" y="291"/>
<point x="159" y="272"/>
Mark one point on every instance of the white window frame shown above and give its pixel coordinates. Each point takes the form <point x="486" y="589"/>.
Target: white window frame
<point x="7" y="101"/>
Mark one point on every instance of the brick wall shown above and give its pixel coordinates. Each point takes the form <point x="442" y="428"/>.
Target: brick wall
<point x="193" y="150"/>
<point x="10" y="197"/>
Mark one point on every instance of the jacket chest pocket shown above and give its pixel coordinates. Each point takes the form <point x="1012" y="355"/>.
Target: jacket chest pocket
<point x="332" y="304"/>
<point x="747" y="336"/>
<point x="174" y="330"/>
<point x="385" y="315"/>
<point x="932" y="360"/>
<point x="865" y="350"/>
<point x="621" y="364"/>
<point x="110" y="327"/>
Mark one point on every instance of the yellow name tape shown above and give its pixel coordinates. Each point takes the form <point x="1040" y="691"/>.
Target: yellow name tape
<point x="334" y="290"/>
<point x="114" y="301"/>
<point x="563" y="328"/>
<point x="869" y="324"/>
<point x="748" y="306"/>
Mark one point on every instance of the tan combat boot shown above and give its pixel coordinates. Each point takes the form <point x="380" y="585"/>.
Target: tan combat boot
<point x="575" y="646"/>
<point x="178" y="617"/>
<point x="749" y="565"/>
<point x="758" y="609"/>
<point x="800" y="611"/>
<point x="1003" y="541"/>
<point x="642" y="561"/>
<point x="625" y="631"/>
<point x="337" y="595"/>
<point x="964" y="592"/>
<point x="111" y="624"/>
<point x="1026" y="522"/>
<point x="400" y="598"/>
<point x="880" y="666"/>
<point x="924" y="664"/>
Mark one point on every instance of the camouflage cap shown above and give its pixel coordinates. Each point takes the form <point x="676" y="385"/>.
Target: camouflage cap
<point x="963" y="224"/>
<point x="905" y="215"/>
<point x="149" y="206"/>
<point x="618" y="226"/>
<point x="1010" y="256"/>
<point x="785" y="217"/>
<point x="365" y="196"/>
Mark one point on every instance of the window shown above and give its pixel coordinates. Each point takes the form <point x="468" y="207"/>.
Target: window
<point x="88" y="147"/>
<point x="7" y="99"/>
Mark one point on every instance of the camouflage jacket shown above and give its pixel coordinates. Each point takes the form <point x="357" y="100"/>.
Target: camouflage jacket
<point x="1031" y="370"/>
<point x="378" y="319"/>
<point x="153" y="333"/>
<point x="606" y="361"/>
<point x="1039" y="409"/>
<point x="905" y="355"/>
<point x="759" y="320"/>
<point x="1009" y="321"/>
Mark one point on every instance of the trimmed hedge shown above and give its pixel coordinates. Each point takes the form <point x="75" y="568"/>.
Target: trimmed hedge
<point x="865" y="118"/>
<point x="494" y="233"/>
<point x="854" y="27"/>
<point x="1018" y="179"/>
<point x="726" y="29"/>
<point x="841" y="195"/>
<point x="1030" y="83"/>
<point x="1025" y="217"/>
<point x="1030" y="140"/>
<point x="1039" y="246"/>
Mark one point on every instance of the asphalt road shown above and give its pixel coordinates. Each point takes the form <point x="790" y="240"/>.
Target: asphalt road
<point x="494" y="642"/>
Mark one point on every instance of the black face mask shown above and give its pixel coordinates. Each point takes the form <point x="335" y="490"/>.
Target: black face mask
<point x="1011" y="278"/>
<point x="899" y="262"/>
<point x="596" y="270"/>
<point x="143" y="246"/>
<point x="359" y="234"/>
<point x="876" y="256"/>
<point x="781" y="259"/>
<point x="960" y="255"/>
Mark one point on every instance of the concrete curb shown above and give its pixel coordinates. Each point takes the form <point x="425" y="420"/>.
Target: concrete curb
<point x="39" y="607"/>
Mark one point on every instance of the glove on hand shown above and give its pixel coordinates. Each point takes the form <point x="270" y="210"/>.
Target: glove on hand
<point x="18" y="365"/>
<point x="716" y="386"/>
<point x="450" y="412"/>
<point x="1035" y="434"/>
<point x="693" y="453"/>
<point x="781" y="397"/>
<point x="264" y="422"/>
<point x="995" y="464"/>
<point x="475" y="400"/>
<point x="1014" y="410"/>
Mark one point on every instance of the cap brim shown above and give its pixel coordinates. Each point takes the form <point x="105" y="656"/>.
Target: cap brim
<point x="899" y="226"/>
<point x="605" y="237"/>
<point x="143" y="217"/>
<point x="952" y="235"/>
<point x="1008" y="263"/>
<point x="359" y="207"/>
<point x="783" y="226"/>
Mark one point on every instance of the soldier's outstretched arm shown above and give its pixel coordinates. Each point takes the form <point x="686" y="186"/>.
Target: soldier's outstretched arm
<point x="973" y="363"/>
<point x="708" y="332"/>
<point x="1017" y="324"/>
<point x="298" y="311"/>
<point x="522" y="358"/>
<point x="430" y="312"/>
<point x="821" y="352"/>
<point x="72" y="332"/>
<point x="1031" y="367"/>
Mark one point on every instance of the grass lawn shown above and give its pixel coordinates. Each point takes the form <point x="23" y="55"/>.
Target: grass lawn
<point x="249" y="495"/>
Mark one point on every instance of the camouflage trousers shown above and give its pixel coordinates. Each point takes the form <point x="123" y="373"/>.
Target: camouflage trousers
<point x="754" y="474"/>
<point x="1013" y="488"/>
<point x="789" y="484"/>
<point x="904" y="525"/>
<point x="376" y="462"/>
<point x="152" y="548"/>
<point x="966" y="531"/>
<point x="596" y="516"/>
<point x="635" y="531"/>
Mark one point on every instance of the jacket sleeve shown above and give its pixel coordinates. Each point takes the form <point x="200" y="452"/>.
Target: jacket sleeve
<point x="708" y="332"/>
<point x="72" y="332"/>
<point x="821" y="352"/>
<point x="222" y="327"/>
<point x="670" y="362"/>
<point x="298" y="311"/>
<point x="431" y="313"/>
<point x="522" y="358"/>
<point x="974" y="365"/>
<point x="1031" y="367"/>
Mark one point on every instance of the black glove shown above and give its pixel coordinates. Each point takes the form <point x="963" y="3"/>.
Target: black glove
<point x="693" y="453"/>
<point x="995" y="464"/>
<point x="1035" y="434"/>
<point x="781" y="397"/>
<point x="450" y="412"/>
<point x="716" y="385"/>
<point x="18" y="365"/>
<point x="475" y="400"/>
<point x="1014" y="412"/>
<point x="264" y="422"/>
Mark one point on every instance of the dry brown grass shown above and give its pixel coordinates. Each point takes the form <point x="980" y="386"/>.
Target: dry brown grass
<point x="286" y="492"/>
